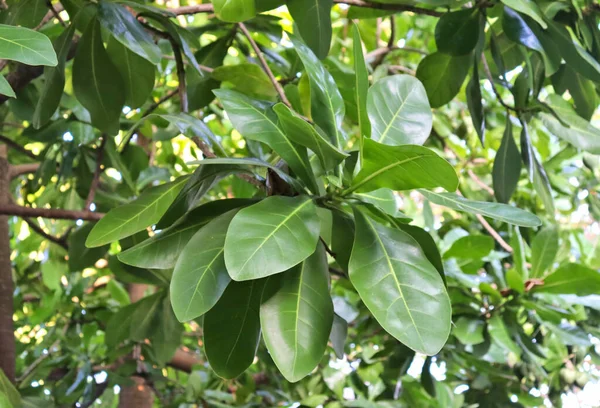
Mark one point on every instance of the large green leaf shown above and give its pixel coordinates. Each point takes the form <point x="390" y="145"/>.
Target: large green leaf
<point x="399" y="285"/>
<point x="580" y="89"/>
<point x="443" y="76"/>
<point x="26" y="13"/>
<point x="303" y="133"/>
<point x="128" y="31"/>
<point x="327" y="104"/>
<point x="200" y="277"/>
<point x="402" y="168"/>
<point x="135" y="216"/>
<point x="573" y="279"/>
<point x="256" y="120"/>
<point x="97" y="82"/>
<point x="507" y="166"/>
<point x="234" y="11"/>
<point x="399" y="111"/>
<point x="296" y="316"/>
<point x="26" y="46"/>
<point x="81" y="257"/>
<point x="9" y="390"/>
<point x="313" y="18"/>
<point x="543" y="251"/>
<point x="232" y="328"/>
<point x="500" y="212"/>
<point x="271" y="237"/>
<point x="529" y="7"/>
<point x="162" y="250"/>
<point x="457" y="32"/>
<point x="54" y="80"/>
<point x="361" y="87"/>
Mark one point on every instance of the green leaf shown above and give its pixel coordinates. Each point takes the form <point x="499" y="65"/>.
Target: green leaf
<point x="54" y="80"/>
<point x="399" y="111"/>
<point x="81" y="257"/>
<point x="249" y="79"/>
<point x="200" y="277"/>
<point x="137" y="73"/>
<point x="342" y="237"/>
<point x="471" y="247"/>
<point x="427" y="244"/>
<point x="543" y="251"/>
<point x="402" y="168"/>
<point x="580" y="89"/>
<point x="339" y="332"/>
<point x="303" y="133"/>
<point x="519" y="257"/>
<point x="528" y="7"/>
<point x="232" y="329"/>
<point x="144" y="318"/>
<point x="361" y="87"/>
<point x="500" y="335"/>
<point x="234" y="11"/>
<point x="393" y="277"/>
<point x="166" y="338"/>
<point x="5" y="88"/>
<point x="97" y="82"/>
<point x="296" y="316"/>
<point x="9" y="390"/>
<point x="537" y="174"/>
<point x="475" y="104"/>
<point x="162" y="249"/>
<point x="128" y="31"/>
<point x="119" y="325"/>
<point x="313" y="18"/>
<point x="135" y="216"/>
<point x="507" y="166"/>
<point x="383" y="198"/>
<point x="457" y="32"/>
<point x="327" y="104"/>
<point x="271" y="237"/>
<point x="26" y="46"/>
<point x="500" y="212"/>
<point x="571" y="279"/>
<point x="26" y="13"/>
<point x="469" y="331"/>
<point x="256" y="120"/>
<point x="443" y="76"/>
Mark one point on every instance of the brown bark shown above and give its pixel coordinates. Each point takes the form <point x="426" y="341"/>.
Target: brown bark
<point x="7" y="338"/>
<point x="184" y="360"/>
<point x="53" y="213"/>
<point x="138" y="395"/>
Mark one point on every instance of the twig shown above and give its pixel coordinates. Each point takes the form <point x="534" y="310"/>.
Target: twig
<point x="400" y="68"/>
<point x="97" y="172"/>
<point x="198" y="8"/>
<point x="385" y="50"/>
<point x="329" y="251"/>
<point x="183" y="100"/>
<point x="392" y="39"/>
<point x="51" y="213"/>
<point x="480" y="183"/>
<point x="494" y="233"/>
<point x="266" y="68"/>
<point x="392" y="7"/>
<point x="40" y="231"/>
<point x="55" y="13"/>
<point x="14" y="145"/>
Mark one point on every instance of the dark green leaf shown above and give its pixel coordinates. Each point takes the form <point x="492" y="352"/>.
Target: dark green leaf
<point x="469" y="331"/>
<point x="475" y="103"/>
<point x="507" y="166"/>
<point x="528" y="7"/>
<point x="571" y="279"/>
<point x="81" y="257"/>
<point x="339" y="332"/>
<point x="443" y="76"/>
<point x="457" y="32"/>
<point x="362" y="85"/>
<point x="313" y="18"/>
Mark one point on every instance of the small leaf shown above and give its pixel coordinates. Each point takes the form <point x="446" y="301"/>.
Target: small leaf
<point x="500" y="335"/>
<point x="443" y="76"/>
<point x="402" y="168"/>
<point x="469" y="331"/>
<point x="399" y="111"/>
<point x="313" y="18"/>
<point x="362" y="85"/>
<point x="500" y="212"/>
<point x="234" y="11"/>
<point x="296" y="316"/>
<point x="232" y="329"/>
<point x="5" y="88"/>
<point x="135" y="216"/>
<point x="200" y="278"/>
<point x="393" y="276"/>
<point x="475" y="104"/>
<point x="457" y="32"/>
<point x="271" y="237"/>
<point x="543" y="251"/>
<point x="471" y="247"/>
<point x="507" y="166"/>
<point x="571" y="279"/>
<point x="249" y="79"/>
<point x="339" y="332"/>
<point x="26" y="46"/>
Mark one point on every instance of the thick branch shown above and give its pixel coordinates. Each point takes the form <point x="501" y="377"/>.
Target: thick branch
<point x="20" y="169"/>
<point x="51" y="213"/>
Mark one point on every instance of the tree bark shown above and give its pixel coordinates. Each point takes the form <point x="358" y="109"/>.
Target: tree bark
<point x="7" y="338"/>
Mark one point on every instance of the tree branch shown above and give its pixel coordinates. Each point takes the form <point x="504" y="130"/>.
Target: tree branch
<point x="51" y="213"/>
<point x="265" y="66"/>
<point x="97" y="172"/>
<point x="494" y="233"/>
<point x="391" y="7"/>
<point x="20" y="169"/>
<point x="40" y="231"/>
<point x="14" y="145"/>
<point x="180" y="76"/>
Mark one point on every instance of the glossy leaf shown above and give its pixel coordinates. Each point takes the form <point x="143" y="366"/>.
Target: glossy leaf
<point x="313" y="18"/>
<point x="402" y="168"/>
<point x="271" y="237"/>
<point x="234" y="11"/>
<point x="507" y="166"/>
<point x="361" y="86"/>
<point x="232" y="329"/>
<point x="443" y="76"/>
<point x="393" y="276"/>
<point x="500" y="212"/>
<point x="529" y="7"/>
<point x="399" y="111"/>
<point x="571" y="279"/>
<point x="97" y="82"/>
<point x="543" y="251"/>
<point x="135" y="216"/>
<point x="296" y="316"/>
<point x="26" y="46"/>
<point x="457" y="32"/>
<point x="475" y="102"/>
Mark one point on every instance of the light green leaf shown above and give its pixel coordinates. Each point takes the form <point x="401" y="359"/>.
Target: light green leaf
<point x="393" y="277"/>
<point x="327" y="104"/>
<point x="313" y="18"/>
<point x="543" y="251"/>
<point x="383" y="198"/>
<point x="301" y="132"/>
<point x="200" y="277"/>
<point x="571" y="279"/>
<point x="361" y="87"/>
<point x="249" y="79"/>
<point x="97" y="82"/>
<point x="128" y="31"/>
<point x="232" y="329"/>
<point x="26" y="46"/>
<point x="469" y="331"/>
<point x="234" y="11"/>
<point x="256" y="120"/>
<point x="399" y="111"/>
<point x="500" y="212"/>
<point x="500" y="335"/>
<point x="5" y="88"/>
<point x="471" y="247"/>
<point x="296" y="316"/>
<point x="271" y="237"/>
<point x="9" y="390"/>
<point x="135" y="216"/>
<point x="402" y="168"/>
<point x="457" y="32"/>
<point x="528" y="7"/>
<point x="443" y="76"/>
<point x="507" y="166"/>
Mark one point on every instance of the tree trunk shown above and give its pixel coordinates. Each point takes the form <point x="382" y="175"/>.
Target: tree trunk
<point x="7" y="337"/>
